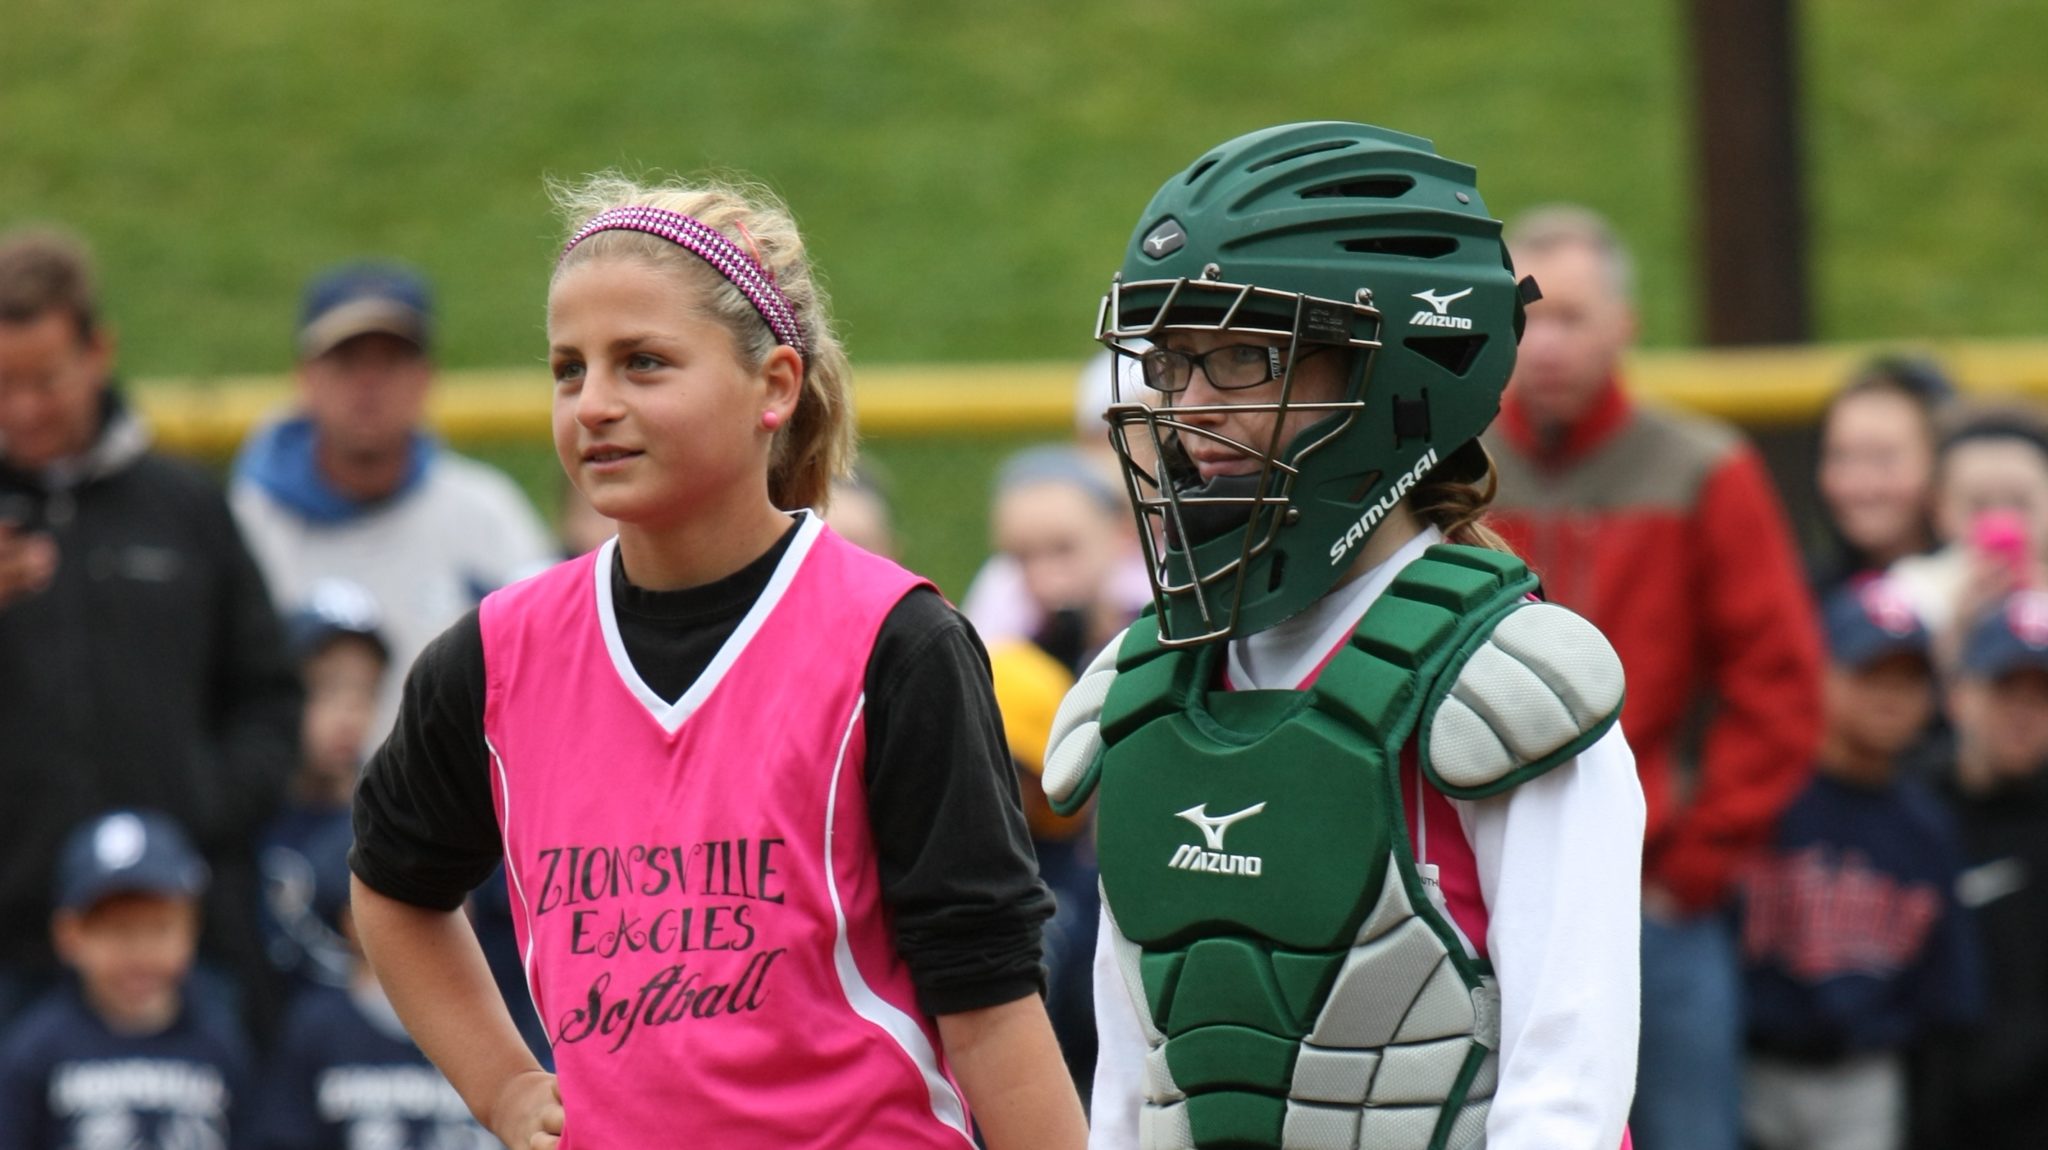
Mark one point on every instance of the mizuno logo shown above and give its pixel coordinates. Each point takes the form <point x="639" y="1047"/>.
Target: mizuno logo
<point x="1378" y="511"/>
<point x="1164" y="240"/>
<point x="1439" y="313"/>
<point x="1441" y="302"/>
<point x="1213" y="826"/>
<point x="1214" y="860"/>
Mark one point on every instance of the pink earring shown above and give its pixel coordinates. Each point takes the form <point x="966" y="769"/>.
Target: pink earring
<point x="770" y="420"/>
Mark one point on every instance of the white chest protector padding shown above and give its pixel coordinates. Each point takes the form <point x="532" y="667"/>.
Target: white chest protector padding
<point x="1539" y="684"/>
<point x="1076" y="737"/>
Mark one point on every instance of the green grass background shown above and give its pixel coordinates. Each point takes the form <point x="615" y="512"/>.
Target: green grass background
<point x="967" y="173"/>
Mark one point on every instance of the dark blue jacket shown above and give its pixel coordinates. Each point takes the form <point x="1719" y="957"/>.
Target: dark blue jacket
<point x="1851" y="937"/>
<point x="67" y="1080"/>
<point x="1988" y="1090"/>
<point x="340" y="1080"/>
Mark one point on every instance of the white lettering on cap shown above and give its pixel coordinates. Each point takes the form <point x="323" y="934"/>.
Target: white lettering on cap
<point x="118" y="842"/>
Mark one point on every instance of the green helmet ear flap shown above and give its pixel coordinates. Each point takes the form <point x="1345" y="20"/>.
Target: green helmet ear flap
<point x="1468" y="464"/>
<point x="1526" y="293"/>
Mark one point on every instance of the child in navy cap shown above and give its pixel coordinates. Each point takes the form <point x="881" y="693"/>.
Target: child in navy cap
<point x="345" y="1075"/>
<point x="121" y="1055"/>
<point x="1986" y="1092"/>
<point x="1999" y="698"/>
<point x="1853" y="947"/>
<point x="343" y="660"/>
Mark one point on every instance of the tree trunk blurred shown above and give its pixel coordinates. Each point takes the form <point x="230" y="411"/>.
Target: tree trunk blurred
<point x="1751" y="226"/>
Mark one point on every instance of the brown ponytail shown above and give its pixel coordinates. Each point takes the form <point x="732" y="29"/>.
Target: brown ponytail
<point x="1456" y="505"/>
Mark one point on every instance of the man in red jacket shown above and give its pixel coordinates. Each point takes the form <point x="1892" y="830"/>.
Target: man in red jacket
<point x="1664" y="530"/>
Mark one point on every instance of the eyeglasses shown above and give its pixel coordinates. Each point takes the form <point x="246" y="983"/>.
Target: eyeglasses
<point x="1234" y="367"/>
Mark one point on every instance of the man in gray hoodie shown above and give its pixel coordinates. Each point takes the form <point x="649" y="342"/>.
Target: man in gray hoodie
<point x="352" y="486"/>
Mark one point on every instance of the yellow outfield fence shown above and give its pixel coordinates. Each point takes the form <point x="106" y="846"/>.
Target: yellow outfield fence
<point x="1755" y="387"/>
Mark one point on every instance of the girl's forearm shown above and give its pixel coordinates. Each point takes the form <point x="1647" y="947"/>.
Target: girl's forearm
<point x="435" y="975"/>
<point x="1008" y="1062"/>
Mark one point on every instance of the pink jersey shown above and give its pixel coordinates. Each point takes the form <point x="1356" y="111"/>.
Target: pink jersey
<point x="694" y="885"/>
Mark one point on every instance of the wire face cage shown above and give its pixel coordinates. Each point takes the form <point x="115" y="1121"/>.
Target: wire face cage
<point x="1186" y="522"/>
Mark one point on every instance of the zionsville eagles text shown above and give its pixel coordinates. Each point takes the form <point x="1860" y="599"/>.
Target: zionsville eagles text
<point x="693" y="909"/>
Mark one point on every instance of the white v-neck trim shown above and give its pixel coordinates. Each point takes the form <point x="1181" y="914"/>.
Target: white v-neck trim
<point x="672" y="716"/>
<point x="1285" y="655"/>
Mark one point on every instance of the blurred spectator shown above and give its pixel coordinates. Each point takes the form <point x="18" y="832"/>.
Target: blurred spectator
<point x="343" y="662"/>
<point x="1664" y="530"/>
<point x="1875" y="469"/>
<point x="352" y="486"/>
<point x="345" y="1075"/>
<point x="1991" y="516"/>
<point x="1985" y="1091"/>
<point x="121" y="1055"/>
<point x="860" y="513"/>
<point x="140" y="661"/>
<point x="1855" y="948"/>
<point x="1029" y="685"/>
<point x="998" y="602"/>
<point x="1068" y="533"/>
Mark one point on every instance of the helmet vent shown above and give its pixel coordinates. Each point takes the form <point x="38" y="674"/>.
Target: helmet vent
<point x="1370" y="480"/>
<point x="1308" y="150"/>
<point x="1370" y="188"/>
<point x="1201" y="169"/>
<point x="1417" y="247"/>
<point x="1453" y="353"/>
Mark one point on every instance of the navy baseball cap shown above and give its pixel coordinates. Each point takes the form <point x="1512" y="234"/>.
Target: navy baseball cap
<point x="127" y="852"/>
<point x="336" y="608"/>
<point x="2014" y="637"/>
<point x="362" y="299"/>
<point x="1869" y="621"/>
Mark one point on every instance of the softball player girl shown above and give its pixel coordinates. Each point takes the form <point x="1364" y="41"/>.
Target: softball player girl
<point x="770" y="880"/>
<point x="1370" y="840"/>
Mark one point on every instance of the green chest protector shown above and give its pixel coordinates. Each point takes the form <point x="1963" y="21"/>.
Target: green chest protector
<point x="1298" y="984"/>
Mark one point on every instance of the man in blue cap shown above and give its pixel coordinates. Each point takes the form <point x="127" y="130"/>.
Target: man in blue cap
<point x="121" y="1054"/>
<point x="352" y="485"/>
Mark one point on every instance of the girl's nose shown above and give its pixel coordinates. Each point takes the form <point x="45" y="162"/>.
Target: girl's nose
<point x="598" y="402"/>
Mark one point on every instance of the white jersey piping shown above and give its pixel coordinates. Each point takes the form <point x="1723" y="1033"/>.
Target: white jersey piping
<point x="947" y="1106"/>
<point x="672" y="716"/>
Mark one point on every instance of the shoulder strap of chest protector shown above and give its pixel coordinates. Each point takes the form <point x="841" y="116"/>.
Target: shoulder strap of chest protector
<point x="1524" y="687"/>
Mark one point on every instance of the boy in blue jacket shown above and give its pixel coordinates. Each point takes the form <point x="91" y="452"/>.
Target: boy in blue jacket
<point x="121" y="1055"/>
<point x="1853" y="945"/>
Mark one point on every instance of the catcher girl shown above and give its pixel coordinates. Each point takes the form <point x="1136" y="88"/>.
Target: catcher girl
<point x="1370" y="839"/>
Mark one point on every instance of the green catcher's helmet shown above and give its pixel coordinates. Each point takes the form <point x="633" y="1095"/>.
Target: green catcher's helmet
<point x="1334" y="235"/>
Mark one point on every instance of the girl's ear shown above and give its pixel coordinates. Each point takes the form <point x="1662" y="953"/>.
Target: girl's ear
<point x="782" y="373"/>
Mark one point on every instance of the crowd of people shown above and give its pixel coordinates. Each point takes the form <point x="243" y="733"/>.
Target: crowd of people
<point x="1840" y="733"/>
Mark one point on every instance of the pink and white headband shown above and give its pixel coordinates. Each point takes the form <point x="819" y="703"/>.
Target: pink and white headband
<point x="710" y="245"/>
